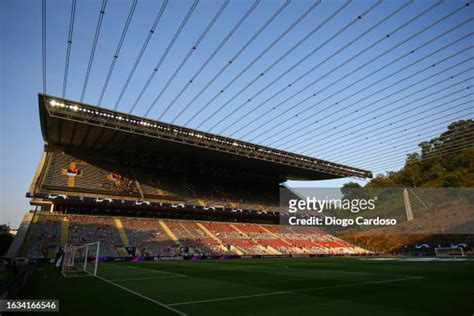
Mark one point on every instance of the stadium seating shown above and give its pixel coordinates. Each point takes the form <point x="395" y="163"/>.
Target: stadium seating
<point x="155" y="237"/>
<point x="90" y="177"/>
<point x="148" y="237"/>
<point x="96" y="178"/>
<point x="43" y="237"/>
<point x="88" y="229"/>
<point x="199" y="242"/>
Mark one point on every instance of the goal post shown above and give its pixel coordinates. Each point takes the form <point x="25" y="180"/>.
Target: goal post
<point x="80" y="260"/>
<point x="449" y="252"/>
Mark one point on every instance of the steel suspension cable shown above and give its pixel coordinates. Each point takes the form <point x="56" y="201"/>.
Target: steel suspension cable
<point x="117" y="50"/>
<point x="394" y="128"/>
<point x="437" y="156"/>
<point x="188" y="55"/>
<point x="390" y="166"/>
<point x="403" y="142"/>
<point x="213" y="54"/>
<point x="43" y="42"/>
<point x="395" y="148"/>
<point x="373" y="124"/>
<point x="450" y="149"/>
<point x="399" y="81"/>
<point x="401" y="90"/>
<point x="358" y="81"/>
<point x="233" y="58"/>
<point x="367" y="63"/>
<point x="165" y="54"/>
<point x="142" y="51"/>
<point x="455" y="144"/>
<point x="262" y="73"/>
<point x="347" y="26"/>
<point x="94" y="46"/>
<point x="309" y="71"/>
<point x="69" y="44"/>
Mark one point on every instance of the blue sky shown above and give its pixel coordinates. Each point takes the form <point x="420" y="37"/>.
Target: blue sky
<point x="400" y="95"/>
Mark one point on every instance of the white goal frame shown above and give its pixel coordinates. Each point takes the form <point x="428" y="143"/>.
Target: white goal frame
<point x="72" y="265"/>
<point x="449" y="252"/>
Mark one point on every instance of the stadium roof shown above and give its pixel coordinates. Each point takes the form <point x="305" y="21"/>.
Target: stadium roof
<point x="77" y="126"/>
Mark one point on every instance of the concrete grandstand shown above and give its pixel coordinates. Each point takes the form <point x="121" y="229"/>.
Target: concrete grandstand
<point x="148" y="188"/>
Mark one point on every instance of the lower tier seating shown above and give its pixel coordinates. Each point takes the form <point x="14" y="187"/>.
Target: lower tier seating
<point x="154" y="237"/>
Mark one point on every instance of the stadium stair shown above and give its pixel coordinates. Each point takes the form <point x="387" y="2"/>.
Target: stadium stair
<point x="28" y="241"/>
<point x="408" y="207"/>
<point x="64" y="231"/>
<point x="168" y="232"/>
<point x="71" y="181"/>
<point x="38" y="176"/>
<point x="123" y="236"/>
<point x="161" y="192"/>
<point x="296" y="249"/>
<point x="20" y="237"/>
<point x="139" y="187"/>
<point x="187" y="230"/>
<point x="221" y="245"/>
<point x="268" y="250"/>
<point x="121" y="231"/>
<point x="237" y="249"/>
<point x="305" y="250"/>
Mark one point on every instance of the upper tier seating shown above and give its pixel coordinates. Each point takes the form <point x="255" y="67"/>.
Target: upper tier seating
<point x="101" y="178"/>
<point x="90" y="177"/>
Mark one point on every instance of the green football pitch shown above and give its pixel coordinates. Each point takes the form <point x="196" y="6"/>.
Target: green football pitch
<point x="296" y="286"/>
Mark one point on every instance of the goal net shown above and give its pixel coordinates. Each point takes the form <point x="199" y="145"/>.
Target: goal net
<point x="449" y="252"/>
<point x="80" y="260"/>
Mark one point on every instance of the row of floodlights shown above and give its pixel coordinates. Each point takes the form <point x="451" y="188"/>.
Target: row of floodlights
<point x="77" y="108"/>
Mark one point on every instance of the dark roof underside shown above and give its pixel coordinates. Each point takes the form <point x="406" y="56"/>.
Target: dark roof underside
<point x="71" y="134"/>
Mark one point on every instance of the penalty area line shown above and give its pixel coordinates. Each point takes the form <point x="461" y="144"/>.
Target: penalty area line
<point x="156" y="271"/>
<point x="228" y="264"/>
<point x="150" y="278"/>
<point x="143" y="296"/>
<point x="293" y="291"/>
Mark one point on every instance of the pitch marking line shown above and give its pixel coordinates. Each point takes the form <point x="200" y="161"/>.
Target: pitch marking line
<point x="143" y="296"/>
<point x="156" y="271"/>
<point x="278" y="266"/>
<point x="358" y="272"/>
<point x="231" y="264"/>
<point x="289" y="292"/>
<point x="149" y="278"/>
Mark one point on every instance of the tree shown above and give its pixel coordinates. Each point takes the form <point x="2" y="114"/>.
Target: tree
<point x="5" y="242"/>
<point x="349" y="189"/>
